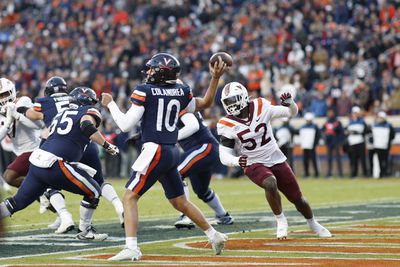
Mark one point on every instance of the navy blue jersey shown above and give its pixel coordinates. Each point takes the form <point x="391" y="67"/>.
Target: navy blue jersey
<point x="162" y="105"/>
<point x="202" y="136"/>
<point x="66" y="140"/>
<point x="50" y="106"/>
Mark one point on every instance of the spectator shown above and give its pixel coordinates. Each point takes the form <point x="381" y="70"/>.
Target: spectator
<point x="356" y="132"/>
<point x="333" y="133"/>
<point x="383" y="134"/>
<point x="309" y="138"/>
<point x="284" y="135"/>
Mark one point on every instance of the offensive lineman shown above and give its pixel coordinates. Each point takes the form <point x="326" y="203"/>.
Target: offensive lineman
<point x="248" y="125"/>
<point x="54" y="166"/>
<point x="55" y="101"/>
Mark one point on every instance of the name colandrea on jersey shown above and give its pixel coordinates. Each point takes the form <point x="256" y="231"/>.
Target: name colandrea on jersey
<point x="167" y="92"/>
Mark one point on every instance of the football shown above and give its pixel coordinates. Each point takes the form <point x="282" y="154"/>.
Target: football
<point x="224" y="56"/>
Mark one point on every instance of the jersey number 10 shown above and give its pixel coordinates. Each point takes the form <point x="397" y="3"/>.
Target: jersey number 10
<point x="166" y="120"/>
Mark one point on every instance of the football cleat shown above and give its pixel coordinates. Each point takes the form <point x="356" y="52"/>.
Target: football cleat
<point x="320" y="230"/>
<point x="218" y="242"/>
<point x="225" y="219"/>
<point x="90" y="233"/>
<point x="127" y="254"/>
<point x="55" y="224"/>
<point x="184" y="222"/>
<point x="281" y="229"/>
<point x="66" y="225"/>
<point x="44" y="204"/>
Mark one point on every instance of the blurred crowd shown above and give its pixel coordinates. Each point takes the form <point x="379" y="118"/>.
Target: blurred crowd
<point x="330" y="54"/>
<point x="334" y="53"/>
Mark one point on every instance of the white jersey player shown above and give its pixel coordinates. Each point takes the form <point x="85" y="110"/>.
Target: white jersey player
<point x="247" y="126"/>
<point x="23" y="132"/>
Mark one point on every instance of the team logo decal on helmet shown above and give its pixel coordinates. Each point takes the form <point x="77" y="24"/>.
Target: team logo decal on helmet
<point x="163" y="69"/>
<point x="83" y="96"/>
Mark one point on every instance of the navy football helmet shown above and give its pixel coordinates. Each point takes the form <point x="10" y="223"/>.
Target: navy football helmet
<point x="83" y="96"/>
<point x="164" y="68"/>
<point x="54" y="85"/>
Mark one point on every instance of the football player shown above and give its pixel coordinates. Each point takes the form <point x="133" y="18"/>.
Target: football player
<point x="23" y="132"/>
<point x="157" y="103"/>
<point x="197" y="162"/>
<point x="55" y="101"/>
<point x="55" y="166"/>
<point x="247" y="124"/>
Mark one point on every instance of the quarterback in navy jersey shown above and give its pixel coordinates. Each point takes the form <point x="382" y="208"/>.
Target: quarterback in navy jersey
<point x="55" y="101"/>
<point x="157" y="102"/>
<point x="198" y="162"/>
<point x="54" y="166"/>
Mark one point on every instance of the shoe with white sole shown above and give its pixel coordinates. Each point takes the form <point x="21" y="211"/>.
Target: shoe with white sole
<point x="281" y="229"/>
<point x="320" y="230"/>
<point x="218" y="242"/>
<point x="55" y="224"/>
<point x="127" y="255"/>
<point x="184" y="222"/>
<point x="226" y="219"/>
<point x="44" y="204"/>
<point x="90" y="233"/>
<point x="66" y="225"/>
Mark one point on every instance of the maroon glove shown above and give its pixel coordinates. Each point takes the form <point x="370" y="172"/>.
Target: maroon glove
<point x="243" y="161"/>
<point x="286" y="99"/>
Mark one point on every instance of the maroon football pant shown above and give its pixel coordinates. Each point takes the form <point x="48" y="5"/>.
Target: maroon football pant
<point x="286" y="180"/>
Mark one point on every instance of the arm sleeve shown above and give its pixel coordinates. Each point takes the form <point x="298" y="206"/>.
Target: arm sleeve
<point x="228" y="157"/>
<point x="191" y="107"/>
<point x="128" y="120"/>
<point x="31" y="124"/>
<point x="281" y="111"/>
<point x="191" y="125"/>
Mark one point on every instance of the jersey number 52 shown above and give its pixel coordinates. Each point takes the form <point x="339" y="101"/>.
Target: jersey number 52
<point x="252" y="142"/>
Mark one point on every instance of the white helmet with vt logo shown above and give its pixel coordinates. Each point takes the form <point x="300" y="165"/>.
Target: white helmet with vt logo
<point x="234" y="98"/>
<point x="7" y="91"/>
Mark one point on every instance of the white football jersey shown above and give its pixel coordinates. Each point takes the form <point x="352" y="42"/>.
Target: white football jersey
<point x="254" y="136"/>
<point x="24" y="138"/>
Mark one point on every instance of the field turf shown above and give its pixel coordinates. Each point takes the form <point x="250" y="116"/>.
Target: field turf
<point x="363" y="215"/>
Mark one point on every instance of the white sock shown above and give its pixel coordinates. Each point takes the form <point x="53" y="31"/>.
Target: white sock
<point x="86" y="216"/>
<point x="4" y="212"/>
<point x="210" y="232"/>
<point x="58" y="203"/>
<point x="131" y="242"/>
<point x="280" y="217"/>
<point x="186" y="190"/>
<point x="216" y="205"/>
<point x="108" y="192"/>
<point x="311" y="222"/>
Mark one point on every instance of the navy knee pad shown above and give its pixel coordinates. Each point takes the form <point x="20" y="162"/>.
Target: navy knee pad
<point x="51" y="192"/>
<point x="208" y="196"/>
<point x="90" y="203"/>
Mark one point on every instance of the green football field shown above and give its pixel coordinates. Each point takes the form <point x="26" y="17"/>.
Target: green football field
<point x="363" y="215"/>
